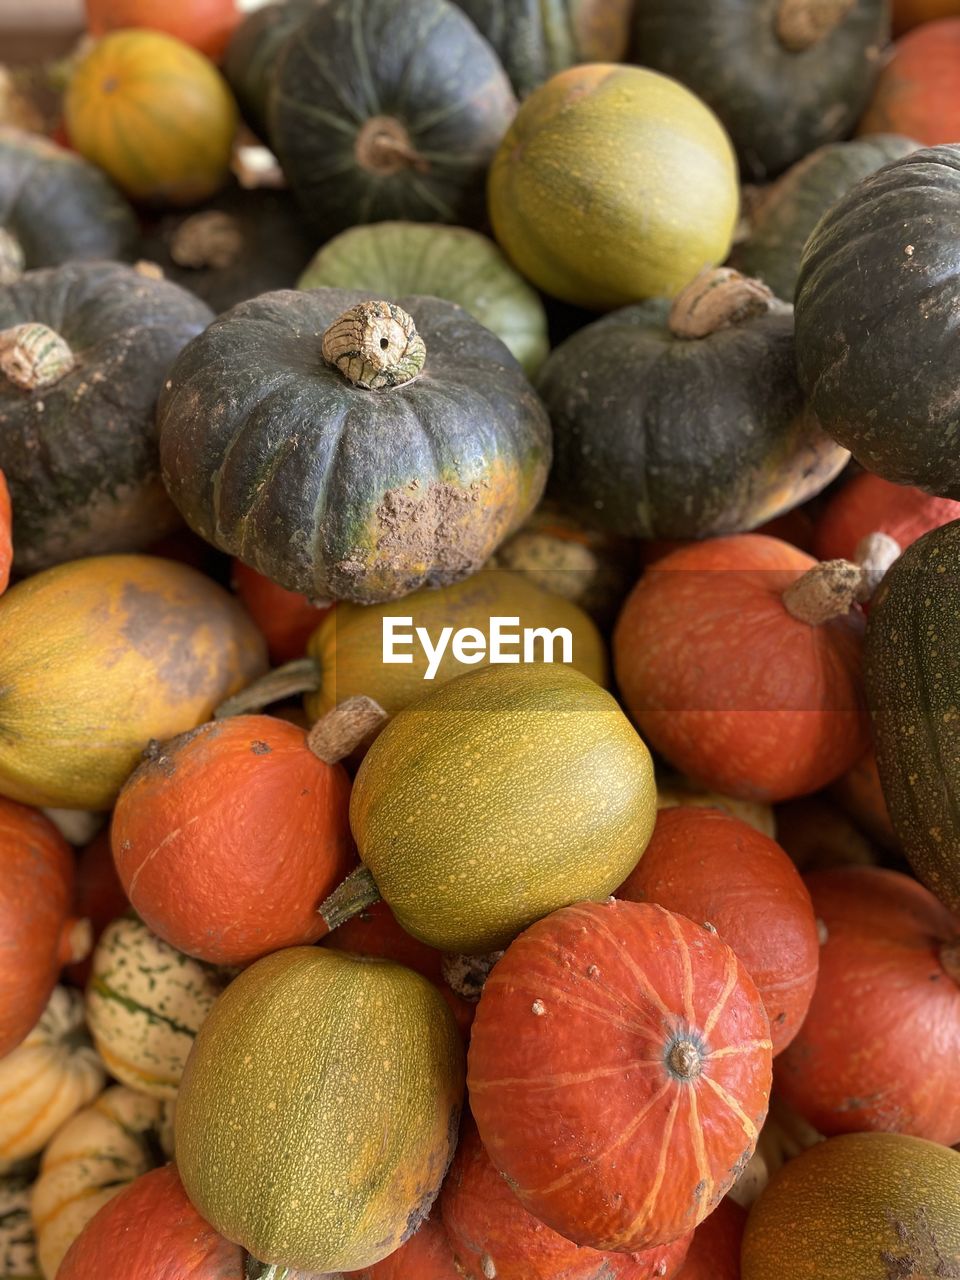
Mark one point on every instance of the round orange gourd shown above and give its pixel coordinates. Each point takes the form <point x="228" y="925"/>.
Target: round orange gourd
<point x="619" y="1072"/>
<point x="868" y="504"/>
<point x="6" y="541"/>
<point x="154" y="114"/>
<point x="286" y="618"/>
<point x="205" y="24"/>
<point x="715" y="1252"/>
<point x="229" y="838"/>
<point x="918" y="91"/>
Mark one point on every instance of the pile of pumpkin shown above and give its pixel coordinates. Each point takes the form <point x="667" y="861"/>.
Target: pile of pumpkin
<point x="449" y="968"/>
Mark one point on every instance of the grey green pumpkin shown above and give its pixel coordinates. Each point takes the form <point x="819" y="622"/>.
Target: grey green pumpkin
<point x="252" y="53"/>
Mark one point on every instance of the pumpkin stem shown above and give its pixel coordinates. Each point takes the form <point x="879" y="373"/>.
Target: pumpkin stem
<point x="803" y="23"/>
<point x="719" y="298"/>
<point x="685" y="1059"/>
<point x="466" y="974"/>
<point x="337" y="734"/>
<point x="12" y="261"/>
<point x="375" y="345"/>
<point x="950" y="959"/>
<point x="33" y="356"/>
<point x="354" y="895"/>
<point x="383" y="147"/>
<point x="76" y="941"/>
<point x="255" y="1270"/>
<point x="875" y="554"/>
<point x="301" y="676"/>
<point x="828" y="590"/>
<point x="209" y="239"/>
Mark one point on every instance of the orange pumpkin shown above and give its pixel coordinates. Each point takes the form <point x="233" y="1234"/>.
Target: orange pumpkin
<point x="205" y="24"/>
<point x="859" y="792"/>
<point x="287" y="619"/>
<point x="868" y="505"/>
<point x="427" y="1255"/>
<point x="99" y="897"/>
<point x="908" y="14"/>
<point x="918" y="91"/>
<point x="715" y="1252"/>
<point x="6" y="539"/>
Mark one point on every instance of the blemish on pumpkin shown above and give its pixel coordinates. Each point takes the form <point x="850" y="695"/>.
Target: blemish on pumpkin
<point x="259" y="748"/>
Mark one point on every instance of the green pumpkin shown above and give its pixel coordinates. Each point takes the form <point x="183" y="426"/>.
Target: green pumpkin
<point x="380" y="110"/>
<point x="252" y="52"/>
<point x="319" y="1108"/>
<point x="78" y="439"/>
<point x="784" y="76"/>
<point x="390" y="259"/>
<point x="877" y="302"/>
<point x="330" y="489"/>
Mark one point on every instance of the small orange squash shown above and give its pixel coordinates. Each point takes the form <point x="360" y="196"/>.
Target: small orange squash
<point x="918" y="91"/>
<point x="6" y="541"/>
<point x="715" y="1252"/>
<point x="204" y="24"/>
<point x="286" y="618"/>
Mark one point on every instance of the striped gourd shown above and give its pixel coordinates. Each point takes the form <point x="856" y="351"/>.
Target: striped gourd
<point x="18" y="1254"/>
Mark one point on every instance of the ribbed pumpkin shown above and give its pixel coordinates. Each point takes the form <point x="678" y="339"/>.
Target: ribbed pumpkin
<point x="332" y="1157"/>
<point x="154" y="114"/>
<point x="715" y="1252"/>
<point x="427" y="1255"/>
<point x="6" y="541"/>
<point x="18" y="1248"/>
<point x="231" y="836"/>
<point x="252" y="54"/>
<point x="586" y="151"/>
<point x="916" y="92"/>
<point x="505" y="794"/>
<point x="174" y="644"/>
<point x="287" y="619"/>
<point x="205" y="24"/>
<point x="735" y="676"/>
<point x="865" y="1206"/>
<point x="619" y="1072"/>
<point x="99" y="895"/>
<point x="866" y="504"/>
<point x="716" y="870"/>
<point x="89" y="1161"/>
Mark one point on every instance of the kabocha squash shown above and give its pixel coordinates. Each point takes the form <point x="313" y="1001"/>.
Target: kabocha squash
<point x="543" y="748"/>
<point x="52" y="1074"/>
<point x="205" y="24"/>
<point x="874" y="321"/>
<point x="252" y="53"/>
<point x="715" y="1252"/>
<point x="274" y="454"/>
<point x="707" y="434"/>
<point x="287" y="619"/>
<point x="916" y="92"/>
<point x="6" y="540"/>
<point x="427" y="1255"/>
<point x="84" y="349"/>
<point x="412" y="104"/>
<point x="154" y="114"/>
<point x="619" y="1072"/>
<point x="865" y="1206"/>
<point x="355" y="1122"/>
<point x="18" y="1247"/>
<point x="391" y="259"/>
<point x="866" y="504"/>
<point x="742" y="667"/>
<point x="145" y="1003"/>
<point x="174" y="644"/>
<point x="784" y="76"/>
<point x="99" y="895"/>
<point x="589" y="150"/>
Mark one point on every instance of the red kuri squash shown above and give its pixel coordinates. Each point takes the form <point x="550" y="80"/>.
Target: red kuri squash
<point x="880" y="1049"/>
<point x="287" y="619"/>
<point x="917" y="93"/>
<point x="6" y="541"/>
<point x="868" y="504"/>
<point x="99" y="897"/>
<point x="205" y="24"/>
<point x="715" y="869"/>
<point x="715" y="1252"/>
<point x="427" y="1255"/>
<point x="619" y="1072"/>
<point x="743" y="669"/>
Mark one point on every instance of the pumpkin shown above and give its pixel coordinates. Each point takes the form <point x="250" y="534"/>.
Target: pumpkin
<point x="866" y="504"/>
<point x="153" y="114"/>
<point x="784" y="76"/>
<point x="586" y="151"/>
<point x="145" y="1003"/>
<point x="911" y="13"/>
<point x="715" y="1252"/>
<point x="789" y="210"/>
<point x="888" y="396"/>
<point x="716" y="870"/>
<point x="911" y="682"/>
<point x="174" y="643"/>
<point x="205" y="24"/>
<point x="673" y="790"/>
<point x="39" y="933"/>
<point x="48" y="1077"/>
<point x="252" y="53"/>
<point x="229" y="838"/>
<point x="287" y="619"/>
<point x="89" y="1161"/>
<point x="152" y="1231"/>
<point x="355" y="1120"/>
<point x="880" y="1045"/>
<point x="545" y="750"/>
<point x="860" y="793"/>
<point x="741" y="677"/>
<point x="916" y="92"/>
<point x="491" y="1233"/>
<point x="99" y="895"/>
<point x="390" y="259"/>
<point x="619" y="1072"/>
<point x="6" y="541"/>
<point x="865" y="1206"/>
<point x="427" y="1255"/>
<point x="273" y="454"/>
<point x="84" y="349"/>
<point x="685" y="421"/>
<point x="413" y="102"/>
<point x="818" y="834"/>
<point x="18" y="1249"/>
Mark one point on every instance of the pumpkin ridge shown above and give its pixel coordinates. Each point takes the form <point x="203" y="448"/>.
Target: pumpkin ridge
<point x="20" y="1134"/>
<point x="103" y="988"/>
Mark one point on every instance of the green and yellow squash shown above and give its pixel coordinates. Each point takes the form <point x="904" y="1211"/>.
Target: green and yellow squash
<point x="18" y="1246"/>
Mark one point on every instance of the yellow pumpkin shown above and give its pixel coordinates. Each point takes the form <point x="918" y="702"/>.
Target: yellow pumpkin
<point x="98" y="657"/>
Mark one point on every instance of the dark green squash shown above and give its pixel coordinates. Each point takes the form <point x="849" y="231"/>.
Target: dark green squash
<point x="55" y="207"/>
<point x="383" y="110"/>
<point x="912" y="676"/>
<point x="252" y="53"/>
<point x="877" y="302"/>
<point x="790" y="209"/>
<point x="659" y="435"/>
<point x="784" y="76"/>
<point x="78" y="440"/>
<point x="329" y="489"/>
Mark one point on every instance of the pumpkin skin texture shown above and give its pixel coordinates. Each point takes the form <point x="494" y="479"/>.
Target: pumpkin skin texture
<point x="368" y="495"/>
<point x="151" y="1231"/>
<point x="80" y="456"/>
<point x="867" y="504"/>
<point x="228" y="840"/>
<point x="728" y="686"/>
<point x="916" y="92"/>
<point x="586" y="151"/>
<point x="715" y="1252"/>
<point x="886" y="392"/>
<point x="706" y="436"/>
<point x="864" y="1206"/>
<point x="18" y="1249"/>
<point x="777" y="102"/>
<point x="664" y="1014"/>
<point x="714" y="869"/>
<point x="120" y="107"/>
<point x="414" y="101"/>
<point x="204" y="24"/>
<point x="517" y="742"/>
<point x="287" y="619"/>
<point x="427" y="1255"/>
<point x="361" y="1146"/>
<point x="174" y="642"/>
